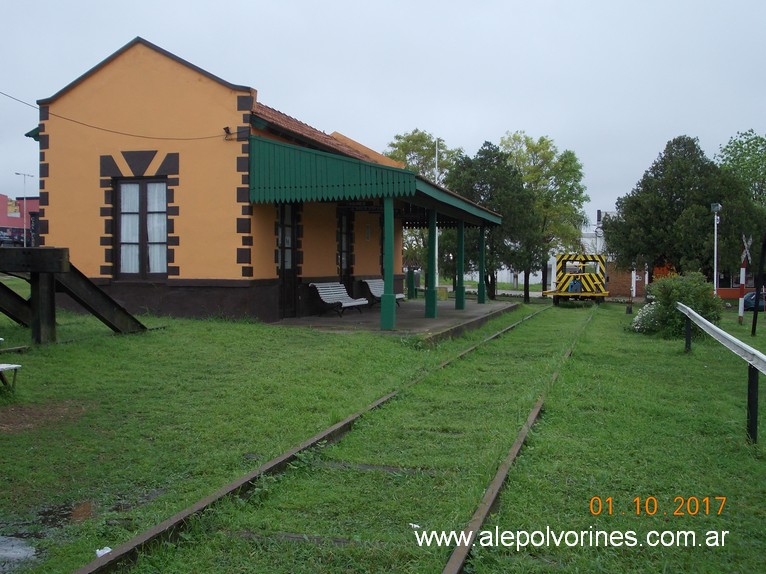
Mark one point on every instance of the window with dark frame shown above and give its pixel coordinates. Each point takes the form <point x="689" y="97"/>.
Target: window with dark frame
<point x="142" y="237"/>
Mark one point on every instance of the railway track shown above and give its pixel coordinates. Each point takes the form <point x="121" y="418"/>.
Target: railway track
<point x="418" y="449"/>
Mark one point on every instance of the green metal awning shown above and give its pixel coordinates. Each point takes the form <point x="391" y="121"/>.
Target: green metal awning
<point x="452" y="205"/>
<point x="283" y="173"/>
<point x="34" y="134"/>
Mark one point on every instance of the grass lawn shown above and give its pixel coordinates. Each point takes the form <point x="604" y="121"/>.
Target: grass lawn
<point x="630" y="417"/>
<point x="423" y="459"/>
<point x="108" y="435"/>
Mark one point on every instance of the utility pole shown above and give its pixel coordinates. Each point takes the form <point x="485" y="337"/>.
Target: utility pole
<point x="716" y="209"/>
<point x="25" y="216"/>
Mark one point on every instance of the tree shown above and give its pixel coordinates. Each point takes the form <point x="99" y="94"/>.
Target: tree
<point x="555" y="180"/>
<point x="490" y="180"/>
<point x="666" y="218"/>
<point x="418" y="150"/>
<point x="745" y="156"/>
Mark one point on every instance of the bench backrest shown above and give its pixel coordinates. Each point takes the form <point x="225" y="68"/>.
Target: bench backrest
<point x="376" y="286"/>
<point x="331" y="292"/>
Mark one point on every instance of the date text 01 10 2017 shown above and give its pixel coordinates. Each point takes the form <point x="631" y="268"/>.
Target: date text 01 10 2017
<point x="681" y="506"/>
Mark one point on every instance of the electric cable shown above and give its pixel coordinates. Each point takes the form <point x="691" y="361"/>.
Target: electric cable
<point x="111" y="131"/>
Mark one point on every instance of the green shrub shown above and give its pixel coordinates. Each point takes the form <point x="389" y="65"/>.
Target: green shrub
<point x="646" y="320"/>
<point x="662" y="317"/>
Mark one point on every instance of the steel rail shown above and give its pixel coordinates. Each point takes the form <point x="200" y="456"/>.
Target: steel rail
<point x="460" y="554"/>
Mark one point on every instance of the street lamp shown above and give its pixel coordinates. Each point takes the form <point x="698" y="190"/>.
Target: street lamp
<point x="24" y="220"/>
<point x="715" y="208"/>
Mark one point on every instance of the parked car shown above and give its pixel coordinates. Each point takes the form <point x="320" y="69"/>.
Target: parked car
<point x="6" y="240"/>
<point x="750" y="301"/>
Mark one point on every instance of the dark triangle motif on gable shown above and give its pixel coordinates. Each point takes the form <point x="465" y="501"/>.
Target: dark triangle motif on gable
<point x="109" y="167"/>
<point x="169" y="165"/>
<point x="138" y="161"/>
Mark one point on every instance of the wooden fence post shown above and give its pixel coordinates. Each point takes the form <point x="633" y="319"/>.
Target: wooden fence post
<point x="688" y="347"/>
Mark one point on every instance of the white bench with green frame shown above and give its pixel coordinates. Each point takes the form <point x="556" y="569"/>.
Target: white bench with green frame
<point x="335" y="296"/>
<point x="376" y="287"/>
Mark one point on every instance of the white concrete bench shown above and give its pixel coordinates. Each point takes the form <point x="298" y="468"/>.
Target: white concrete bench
<point x="8" y="367"/>
<point x="376" y="287"/>
<point x="335" y="296"/>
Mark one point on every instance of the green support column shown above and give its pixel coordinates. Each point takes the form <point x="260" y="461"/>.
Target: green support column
<point x="460" y="288"/>
<point x="431" y="287"/>
<point x="412" y="293"/>
<point x="482" y="298"/>
<point x="388" y="300"/>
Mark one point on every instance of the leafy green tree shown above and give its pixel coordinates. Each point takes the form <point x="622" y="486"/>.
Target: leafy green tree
<point x="555" y="180"/>
<point x="745" y="156"/>
<point x="666" y="218"/>
<point x="418" y="150"/>
<point x="490" y="180"/>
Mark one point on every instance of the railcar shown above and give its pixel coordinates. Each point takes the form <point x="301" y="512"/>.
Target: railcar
<point x="580" y="277"/>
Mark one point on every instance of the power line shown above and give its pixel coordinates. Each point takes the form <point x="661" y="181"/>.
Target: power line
<point x="20" y="101"/>
<point x="99" y="128"/>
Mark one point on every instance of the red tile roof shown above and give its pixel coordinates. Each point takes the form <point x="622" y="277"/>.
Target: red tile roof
<point x="370" y="153"/>
<point x="304" y="131"/>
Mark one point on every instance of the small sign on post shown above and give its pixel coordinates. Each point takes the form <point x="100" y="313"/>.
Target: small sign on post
<point x="743" y="277"/>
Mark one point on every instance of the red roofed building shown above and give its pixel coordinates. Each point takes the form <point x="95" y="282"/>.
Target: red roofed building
<point x="180" y="193"/>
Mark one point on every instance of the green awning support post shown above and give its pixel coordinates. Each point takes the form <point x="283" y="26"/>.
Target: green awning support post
<point x="482" y="297"/>
<point x="388" y="300"/>
<point x="431" y="283"/>
<point x="460" y="287"/>
<point x="412" y="292"/>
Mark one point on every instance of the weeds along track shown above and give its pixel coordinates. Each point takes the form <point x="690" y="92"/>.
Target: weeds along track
<point x="422" y="462"/>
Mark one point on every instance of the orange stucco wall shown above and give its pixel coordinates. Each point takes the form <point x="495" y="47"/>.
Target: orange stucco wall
<point x="142" y="100"/>
<point x="366" y="243"/>
<point x="265" y="241"/>
<point x="142" y="92"/>
<point x="319" y="243"/>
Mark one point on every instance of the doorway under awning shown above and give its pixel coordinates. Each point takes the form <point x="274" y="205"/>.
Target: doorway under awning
<point x="284" y="173"/>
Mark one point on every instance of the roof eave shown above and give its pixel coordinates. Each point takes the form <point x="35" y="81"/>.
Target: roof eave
<point x="136" y="41"/>
<point x="478" y="215"/>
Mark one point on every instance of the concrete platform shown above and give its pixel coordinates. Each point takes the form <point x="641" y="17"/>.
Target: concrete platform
<point x="410" y="319"/>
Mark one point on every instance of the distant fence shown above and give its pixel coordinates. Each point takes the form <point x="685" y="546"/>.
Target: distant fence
<point x="755" y="359"/>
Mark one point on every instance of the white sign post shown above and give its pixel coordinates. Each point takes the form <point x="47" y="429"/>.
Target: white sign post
<point x="743" y="276"/>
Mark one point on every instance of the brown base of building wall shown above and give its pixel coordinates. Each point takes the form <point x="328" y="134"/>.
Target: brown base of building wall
<point x="259" y="299"/>
<point x="231" y="299"/>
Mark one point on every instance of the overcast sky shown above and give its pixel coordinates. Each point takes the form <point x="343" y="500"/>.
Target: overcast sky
<point x="611" y="80"/>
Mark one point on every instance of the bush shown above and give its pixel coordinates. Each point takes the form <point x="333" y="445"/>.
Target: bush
<point x="662" y="317"/>
<point x="646" y="320"/>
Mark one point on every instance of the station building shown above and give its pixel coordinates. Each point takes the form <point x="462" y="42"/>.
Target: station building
<point x="180" y="193"/>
